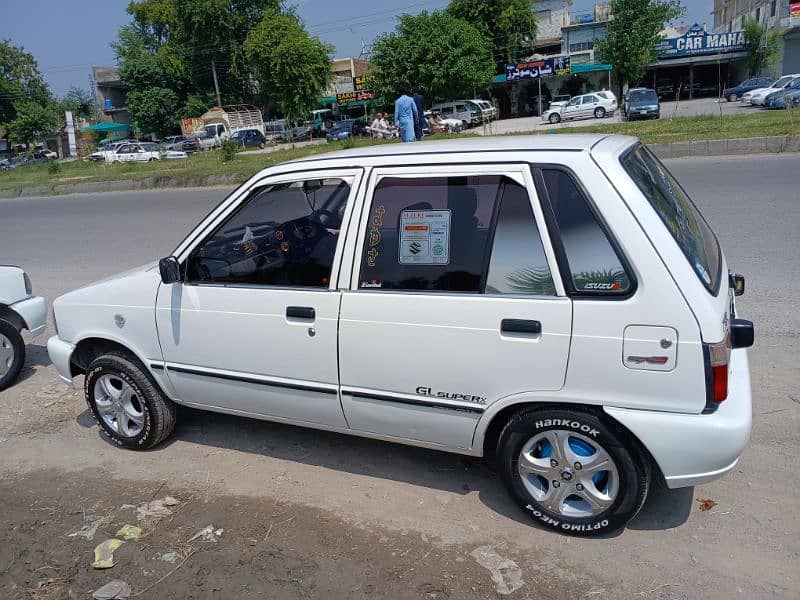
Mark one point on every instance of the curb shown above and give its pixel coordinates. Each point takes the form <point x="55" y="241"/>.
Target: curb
<point x="731" y="147"/>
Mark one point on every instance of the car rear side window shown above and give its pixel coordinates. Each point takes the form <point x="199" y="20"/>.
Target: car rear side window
<point x="595" y="267"/>
<point x="684" y="221"/>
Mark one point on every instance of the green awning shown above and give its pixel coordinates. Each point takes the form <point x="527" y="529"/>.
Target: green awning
<point x="501" y="78"/>
<point x="106" y="126"/>
<point x="589" y="67"/>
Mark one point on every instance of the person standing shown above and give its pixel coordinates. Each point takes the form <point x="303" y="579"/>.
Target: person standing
<point x="419" y="125"/>
<point x="405" y="115"/>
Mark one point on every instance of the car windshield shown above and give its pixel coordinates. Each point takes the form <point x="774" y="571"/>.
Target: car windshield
<point x="643" y="96"/>
<point x="782" y="81"/>
<point x="679" y="214"/>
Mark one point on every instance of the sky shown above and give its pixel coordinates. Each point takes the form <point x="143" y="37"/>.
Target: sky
<point x="68" y="37"/>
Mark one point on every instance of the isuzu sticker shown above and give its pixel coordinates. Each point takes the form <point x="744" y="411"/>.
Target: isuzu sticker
<point x="425" y="237"/>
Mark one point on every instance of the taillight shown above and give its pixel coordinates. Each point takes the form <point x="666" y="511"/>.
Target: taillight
<point x="718" y="356"/>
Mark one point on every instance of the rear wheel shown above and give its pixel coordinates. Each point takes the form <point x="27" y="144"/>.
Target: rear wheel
<point x="572" y="471"/>
<point x="12" y="353"/>
<point x="599" y="112"/>
<point x="554" y="118"/>
<point x="127" y="404"/>
<point x="733" y="98"/>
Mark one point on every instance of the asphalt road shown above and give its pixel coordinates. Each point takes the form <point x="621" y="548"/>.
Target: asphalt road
<point x="748" y="545"/>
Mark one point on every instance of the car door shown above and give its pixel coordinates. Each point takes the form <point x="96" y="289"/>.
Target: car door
<point x="588" y="104"/>
<point x="252" y="328"/>
<point x="573" y="108"/>
<point x="454" y="302"/>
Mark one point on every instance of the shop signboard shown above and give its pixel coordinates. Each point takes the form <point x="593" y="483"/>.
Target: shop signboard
<point x="363" y="82"/>
<point x="794" y="13"/>
<point x="350" y="97"/>
<point x="698" y="41"/>
<point x="538" y="69"/>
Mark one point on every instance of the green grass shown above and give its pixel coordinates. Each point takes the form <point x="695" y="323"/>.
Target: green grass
<point x="202" y="168"/>
<point x="707" y="127"/>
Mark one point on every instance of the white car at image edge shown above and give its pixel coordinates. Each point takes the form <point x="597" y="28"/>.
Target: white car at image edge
<point x="757" y="96"/>
<point x="556" y="304"/>
<point x="19" y="310"/>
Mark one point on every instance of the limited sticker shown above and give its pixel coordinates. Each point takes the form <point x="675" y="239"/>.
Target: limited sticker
<point x="425" y="237"/>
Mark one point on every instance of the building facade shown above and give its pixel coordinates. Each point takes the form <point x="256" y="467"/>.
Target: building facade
<point x="551" y="17"/>
<point x="110" y="94"/>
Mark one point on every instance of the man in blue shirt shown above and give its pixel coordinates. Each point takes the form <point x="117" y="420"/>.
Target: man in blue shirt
<point x="419" y="100"/>
<point x="405" y="115"/>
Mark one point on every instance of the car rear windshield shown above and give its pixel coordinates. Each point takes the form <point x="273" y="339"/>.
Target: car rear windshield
<point x="678" y="213"/>
<point x="644" y="96"/>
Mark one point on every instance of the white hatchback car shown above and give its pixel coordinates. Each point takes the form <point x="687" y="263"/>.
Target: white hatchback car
<point x="598" y="105"/>
<point x="19" y="309"/>
<point x="556" y="304"/>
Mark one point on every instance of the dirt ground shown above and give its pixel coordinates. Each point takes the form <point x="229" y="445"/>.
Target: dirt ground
<point x="267" y="549"/>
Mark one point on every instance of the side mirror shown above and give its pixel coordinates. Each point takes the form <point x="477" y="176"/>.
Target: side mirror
<point x="742" y="333"/>
<point x="737" y="283"/>
<point x="312" y="185"/>
<point x="170" y="269"/>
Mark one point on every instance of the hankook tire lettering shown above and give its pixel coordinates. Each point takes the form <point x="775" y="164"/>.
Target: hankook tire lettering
<point x="566" y="423"/>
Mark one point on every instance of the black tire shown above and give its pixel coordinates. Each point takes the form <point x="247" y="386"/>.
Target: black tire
<point x="631" y="464"/>
<point x="599" y="112"/>
<point x="554" y="118"/>
<point x="18" y="346"/>
<point x="159" y="411"/>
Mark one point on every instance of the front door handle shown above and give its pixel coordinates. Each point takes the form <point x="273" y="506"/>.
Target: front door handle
<point x="300" y="312"/>
<point x="521" y="326"/>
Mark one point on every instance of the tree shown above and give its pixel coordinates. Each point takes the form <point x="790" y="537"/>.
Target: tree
<point x="633" y="33"/>
<point x="153" y="110"/>
<point x="80" y="102"/>
<point x="763" y="47"/>
<point x="20" y="81"/>
<point x="32" y="122"/>
<point x="445" y="56"/>
<point x="290" y="66"/>
<point x="509" y="24"/>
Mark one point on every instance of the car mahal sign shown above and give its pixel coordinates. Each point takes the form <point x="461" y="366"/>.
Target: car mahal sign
<point x="698" y="41"/>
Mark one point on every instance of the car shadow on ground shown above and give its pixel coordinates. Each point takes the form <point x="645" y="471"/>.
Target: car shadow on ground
<point x="432" y="469"/>
<point x="35" y="356"/>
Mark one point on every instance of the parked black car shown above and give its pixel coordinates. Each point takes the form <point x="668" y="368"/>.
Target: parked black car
<point x="641" y="103"/>
<point x="345" y="129"/>
<point x="734" y="93"/>
<point x="250" y="138"/>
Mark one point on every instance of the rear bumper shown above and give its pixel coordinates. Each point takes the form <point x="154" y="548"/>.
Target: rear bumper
<point x="60" y="353"/>
<point x="33" y="311"/>
<point x="695" y="449"/>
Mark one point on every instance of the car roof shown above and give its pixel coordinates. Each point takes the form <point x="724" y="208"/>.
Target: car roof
<point x="516" y="143"/>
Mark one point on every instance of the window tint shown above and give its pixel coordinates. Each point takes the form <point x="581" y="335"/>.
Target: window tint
<point x="518" y="264"/>
<point x="433" y="234"/>
<point x="285" y="234"/>
<point x="589" y="99"/>
<point x="678" y="213"/>
<point x="595" y="267"/>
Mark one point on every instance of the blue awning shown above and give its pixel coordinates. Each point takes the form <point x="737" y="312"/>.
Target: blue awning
<point x="589" y="67"/>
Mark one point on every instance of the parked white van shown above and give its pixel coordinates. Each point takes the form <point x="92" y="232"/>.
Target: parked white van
<point x="556" y="304"/>
<point x="459" y="109"/>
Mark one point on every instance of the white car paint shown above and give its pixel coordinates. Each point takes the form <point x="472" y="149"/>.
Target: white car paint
<point x="131" y="152"/>
<point x="17" y="301"/>
<point x="756" y="97"/>
<point x="233" y="349"/>
<point x="584" y="106"/>
<point x="457" y="109"/>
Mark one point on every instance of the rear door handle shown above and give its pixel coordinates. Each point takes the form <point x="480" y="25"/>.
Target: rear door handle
<point x="521" y="326"/>
<point x="300" y="312"/>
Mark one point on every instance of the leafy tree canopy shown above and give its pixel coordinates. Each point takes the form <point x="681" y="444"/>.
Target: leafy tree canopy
<point x="445" y="56"/>
<point x="80" y="102"/>
<point x="763" y="47"/>
<point x="153" y="110"/>
<point x="633" y="33"/>
<point x="33" y="121"/>
<point x="20" y="81"/>
<point x="509" y="24"/>
<point x="290" y="66"/>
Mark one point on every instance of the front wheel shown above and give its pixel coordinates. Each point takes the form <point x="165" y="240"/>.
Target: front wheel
<point x="127" y="404"/>
<point x="12" y="353"/>
<point x="554" y="118"/>
<point x="599" y="112"/>
<point x="572" y="471"/>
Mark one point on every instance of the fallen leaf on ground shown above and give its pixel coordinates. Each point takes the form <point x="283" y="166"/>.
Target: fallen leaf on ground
<point x="104" y="554"/>
<point x="706" y="504"/>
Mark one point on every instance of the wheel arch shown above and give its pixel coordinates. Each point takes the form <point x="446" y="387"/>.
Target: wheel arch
<point x="12" y="316"/>
<point x="487" y="434"/>
<point x="89" y="348"/>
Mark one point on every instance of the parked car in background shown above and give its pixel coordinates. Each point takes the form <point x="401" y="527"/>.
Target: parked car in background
<point x="181" y="143"/>
<point x="733" y="94"/>
<point x="783" y="98"/>
<point x="47" y="153"/>
<point x="665" y="88"/>
<point x="342" y="130"/>
<point x="486" y="111"/>
<point x="19" y="309"/>
<point x="608" y="101"/>
<point x="584" y="106"/>
<point x="756" y="97"/>
<point x="437" y="123"/>
<point x="641" y="103"/>
<point x="132" y="153"/>
<point x="168" y="154"/>
<point x="557" y="304"/>
<point x="458" y="109"/>
<point x="250" y="138"/>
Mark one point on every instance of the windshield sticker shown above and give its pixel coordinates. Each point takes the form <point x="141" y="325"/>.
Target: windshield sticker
<point x="425" y="237"/>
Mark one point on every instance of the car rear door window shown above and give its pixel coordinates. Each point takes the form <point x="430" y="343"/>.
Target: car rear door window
<point x="595" y="266"/>
<point x="453" y="234"/>
<point x="684" y="221"/>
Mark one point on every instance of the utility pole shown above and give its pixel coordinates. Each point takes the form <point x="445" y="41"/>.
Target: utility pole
<point x="216" y="85"/>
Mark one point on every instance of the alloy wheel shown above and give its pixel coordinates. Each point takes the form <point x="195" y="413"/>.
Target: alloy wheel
<point x="118" y="405"/>
<point x="6" y="355"/>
